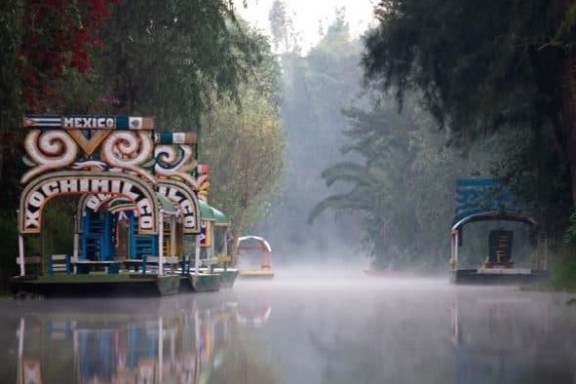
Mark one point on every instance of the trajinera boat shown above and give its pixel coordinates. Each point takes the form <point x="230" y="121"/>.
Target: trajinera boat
<point x="502" y="243"/>
<point x="250" y="247"/>
<point x="140" y="225"/>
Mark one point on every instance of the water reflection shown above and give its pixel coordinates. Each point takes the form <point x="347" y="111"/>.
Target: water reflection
<point x="145" y="341"/>
<point x="319" y="331"/>
<point x="514" y="337"/>
<point x="417" y="331"/>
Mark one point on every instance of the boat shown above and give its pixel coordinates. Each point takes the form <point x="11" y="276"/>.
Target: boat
<point x="136" y="226"/>
<point x="485" y="202"/>
<point x="260" y="248"/>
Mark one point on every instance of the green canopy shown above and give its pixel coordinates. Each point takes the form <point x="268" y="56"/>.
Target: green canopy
<point x="209" y="213"/>
<point x="206" y="212"/>
<point x="220" y="217"/>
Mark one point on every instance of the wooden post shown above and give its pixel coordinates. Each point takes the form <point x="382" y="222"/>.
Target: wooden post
<point x="197" y="255"/>
<point x="21" y="255"/>
<point x="454" y="250"/>
<point x="160" y="242"/>
<point x="76" y="246"/>
<point x="173" y="235"/>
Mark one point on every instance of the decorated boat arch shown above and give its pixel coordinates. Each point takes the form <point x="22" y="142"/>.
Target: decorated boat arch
<point x="137" y="205"/>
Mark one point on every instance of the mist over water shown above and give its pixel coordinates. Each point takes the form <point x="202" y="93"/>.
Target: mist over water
<point x="307" y="325"/>
<point x="340" y="327"/>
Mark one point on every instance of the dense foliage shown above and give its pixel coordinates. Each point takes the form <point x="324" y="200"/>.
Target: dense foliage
<point x="176" y="61"/>
<point x="402" y="185"/>
<point x="511" y="68"/>
<point x="166" y="58"/>
<point x="245" y="148"/>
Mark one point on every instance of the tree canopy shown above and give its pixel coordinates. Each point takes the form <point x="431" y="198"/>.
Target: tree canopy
<point x="483" y="67"/>
<point x="179" y="61"/>
<point x="245" y="147"/>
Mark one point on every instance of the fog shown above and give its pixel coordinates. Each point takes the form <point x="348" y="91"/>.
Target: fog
<point x="305" y="326"/>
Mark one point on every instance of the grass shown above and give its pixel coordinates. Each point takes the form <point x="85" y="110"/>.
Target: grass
<point x="563" y="274"/>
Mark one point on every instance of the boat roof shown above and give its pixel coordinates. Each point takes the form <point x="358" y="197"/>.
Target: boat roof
<point x="493" y="216"/>
<point x="209" y="213"/>
<point x="482" y="199"/>
<point x="256" y="238"/>
<point x="220" y="217"/>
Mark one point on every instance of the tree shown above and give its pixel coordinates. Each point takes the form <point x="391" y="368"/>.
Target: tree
<point x="167" y="58"/>
<point x="45" y="64"/>
<point x="57" y="41"/>
<point x="497" y="72"/>
<point x="245" y="148"/>
<point x="402" y="187"/>
<point x="284" y="38"/>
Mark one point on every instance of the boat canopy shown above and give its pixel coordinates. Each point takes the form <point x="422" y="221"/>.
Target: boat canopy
<point x="221" y="219"/>
<point x="209" y="213"/>
<point x="206" y="212"/>
<point x="493" y="216"/>
<point x="258" y="239"/>
<point x="481" y="199"/>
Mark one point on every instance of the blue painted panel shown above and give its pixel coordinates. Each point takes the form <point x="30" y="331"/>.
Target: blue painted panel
<point x="483" y="195"/>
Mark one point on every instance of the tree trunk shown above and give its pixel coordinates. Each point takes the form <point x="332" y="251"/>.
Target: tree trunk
<point x="570" y="116"/>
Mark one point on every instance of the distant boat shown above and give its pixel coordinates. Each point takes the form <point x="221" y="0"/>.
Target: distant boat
<point x="259" y="245"/>
<point x="486" y="200"/>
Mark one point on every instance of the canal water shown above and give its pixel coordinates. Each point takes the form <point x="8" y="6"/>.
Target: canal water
<point x="297" y="329"/>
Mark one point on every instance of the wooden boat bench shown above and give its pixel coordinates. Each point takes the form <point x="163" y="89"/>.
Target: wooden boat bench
<point x="87" y="266"/>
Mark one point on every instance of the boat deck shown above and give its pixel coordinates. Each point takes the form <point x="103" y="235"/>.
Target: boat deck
<point x="256" y="274"/>
<point x="514" y="276"/>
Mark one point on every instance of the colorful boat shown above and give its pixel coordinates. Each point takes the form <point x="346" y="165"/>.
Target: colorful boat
<point x="484" y="204"/>
<point x="139" y="223"/>
<point x="257" y="247"/>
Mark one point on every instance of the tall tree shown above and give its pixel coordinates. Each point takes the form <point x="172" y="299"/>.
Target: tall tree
<point x="284" y="38"/>
<point x="165" y="58"/>
<point x="245" y="147"/>
<point x="57" y="42"/>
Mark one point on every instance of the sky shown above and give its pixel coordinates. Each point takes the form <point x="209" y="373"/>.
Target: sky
<point x="308" y="14"/>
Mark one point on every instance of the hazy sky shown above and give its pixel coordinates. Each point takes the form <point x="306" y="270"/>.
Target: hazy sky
<point x="307" y="15"/>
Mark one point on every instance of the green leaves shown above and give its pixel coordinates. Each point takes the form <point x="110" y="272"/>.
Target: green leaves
<point x="245" y="147"/>
<point x="487" y="68"/>
<point x="168" y="58"/>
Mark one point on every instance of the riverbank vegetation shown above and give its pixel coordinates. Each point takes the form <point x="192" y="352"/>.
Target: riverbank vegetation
<point x="493" y="98"/>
